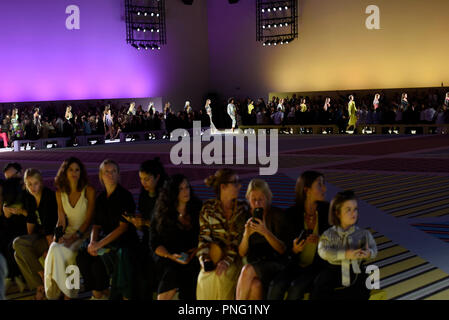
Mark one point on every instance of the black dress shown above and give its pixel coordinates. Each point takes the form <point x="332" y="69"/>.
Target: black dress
<point x="177" y="239"/>
<point x="294" y="279"/>
<point x="266" y="261"/>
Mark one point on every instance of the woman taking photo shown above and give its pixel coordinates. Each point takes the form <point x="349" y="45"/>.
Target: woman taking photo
<point x="174" y="239"/>
<point x="222" y="223"/>
<point x="76" y="200"/>
<point x="109" y="239"/>
<point x="306" y="221"/>
<point x="260" y="244"/>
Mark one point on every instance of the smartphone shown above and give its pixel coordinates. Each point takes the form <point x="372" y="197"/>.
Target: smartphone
<point x="302" y="236"/>
<point x="184" y="257"/>
<point x="258" y="213"/>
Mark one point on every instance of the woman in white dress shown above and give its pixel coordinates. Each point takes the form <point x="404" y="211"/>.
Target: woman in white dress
<point x="231" y="112"/>
<point x="75" y="200"/>
<point x="208" y="108"/>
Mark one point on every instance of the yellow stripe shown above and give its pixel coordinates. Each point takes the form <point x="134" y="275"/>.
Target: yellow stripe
<point x="382" y="185"/>
<point x="388" y="253"/>
<point x="423" y="207"/>
<point x="381" y="240"/>
<point x="407" y="194"/>
<point x="414" y="283"/>
<point x="415" y="200"/>
<point x="443" y="295"/>
<point x="439" y="213"/>
<point x="400" y="267"/>
<point x="363" y="182"/>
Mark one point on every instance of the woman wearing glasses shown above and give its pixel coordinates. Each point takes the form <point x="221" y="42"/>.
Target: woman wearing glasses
<point x="222" y="223"/>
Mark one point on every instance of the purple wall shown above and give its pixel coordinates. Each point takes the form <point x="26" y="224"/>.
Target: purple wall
<point x="41" y="60"/>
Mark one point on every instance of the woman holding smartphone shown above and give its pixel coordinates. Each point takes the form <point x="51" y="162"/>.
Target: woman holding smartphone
<point x="261" y="243"/>
<point x="306" y="221"/>
<point x="174" y="239"/>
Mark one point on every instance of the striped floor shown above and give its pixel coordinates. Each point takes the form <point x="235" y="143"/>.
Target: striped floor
<point x="401" y="195"/>
<point x="406" y="276"/>
<point x="404" y="177"/>
<point x="438" y="230"/>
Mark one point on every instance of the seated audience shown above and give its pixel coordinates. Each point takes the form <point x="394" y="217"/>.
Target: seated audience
<point x="174" y="239"/>
<point x="222" y="223"/>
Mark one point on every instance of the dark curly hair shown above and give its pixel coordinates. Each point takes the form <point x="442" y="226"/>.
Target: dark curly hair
<point x="166" y="213"/>
<point x="154" y="167"/>
<point x="62" y="183"/>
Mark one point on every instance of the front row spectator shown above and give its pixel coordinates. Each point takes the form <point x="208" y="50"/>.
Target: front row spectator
<point x="109" y="238"/>
<point x="307" y="220"/>
<point x="174" y="239"/>
<point x="76" y="200"/>
<point x="42" y="212"/>
<point x="261" y="243"/>
<point x="345" y="247"/>
<point x="222" y="222"/>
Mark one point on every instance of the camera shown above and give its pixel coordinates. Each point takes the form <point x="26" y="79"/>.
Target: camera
<point x="257" y="214"/>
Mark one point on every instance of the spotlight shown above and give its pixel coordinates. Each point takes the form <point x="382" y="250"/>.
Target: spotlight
<point x="157" y="15"/>
<point x="286" y="24"/>
<point x="139" y="13"/>
<point x="282" y="42"/>
<point x="274" y="9"/>
<point x="264" y="44"/>
<point x="269" y="43"/>
<point x="286" y="7"/>
<point x="269" y="26"/>
<point x="152" y="30"/>
<point x="275" y="25"/>
<point x="144" y="30"/>
<point x="269" y="10"/>
<point x="157" y="30"/>
<point x="275" y="43"/>
<point x="280" y="8"/>
<point x="138" y="29"/>
<point x="145" y="13"/>
<point x="152" y="14"/>
<point x="263" y="10"/>
<point x="263" y="27"/>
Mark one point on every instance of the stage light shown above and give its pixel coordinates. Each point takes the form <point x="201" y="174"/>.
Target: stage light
<point x="274" y="9"/>
<point x="263" y="27"/>
<point x="145" y="13"/>
<point x="144" y="30"/>
<point x="158" y="30"/>
<point x="263" y="10"/>
<point x="275" y="25"/>
<point x="280" y="8"/>
<point x="139" y="13"/>
<point x="152" y="14"/>
<point x="269" y="10"/>
<point x="286" y="7"/>
<point x="269" y="26"/>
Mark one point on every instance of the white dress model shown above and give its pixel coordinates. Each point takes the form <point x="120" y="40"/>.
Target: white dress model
<point x="59" y="256"/>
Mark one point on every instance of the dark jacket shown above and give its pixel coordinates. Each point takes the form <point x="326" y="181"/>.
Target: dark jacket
<point x="295" y="224"/>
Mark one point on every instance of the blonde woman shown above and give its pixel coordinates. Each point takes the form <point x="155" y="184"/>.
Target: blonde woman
<point x="41" y="212"/>
<point x="261" y="243"/>
<point x="352" y="111"/>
